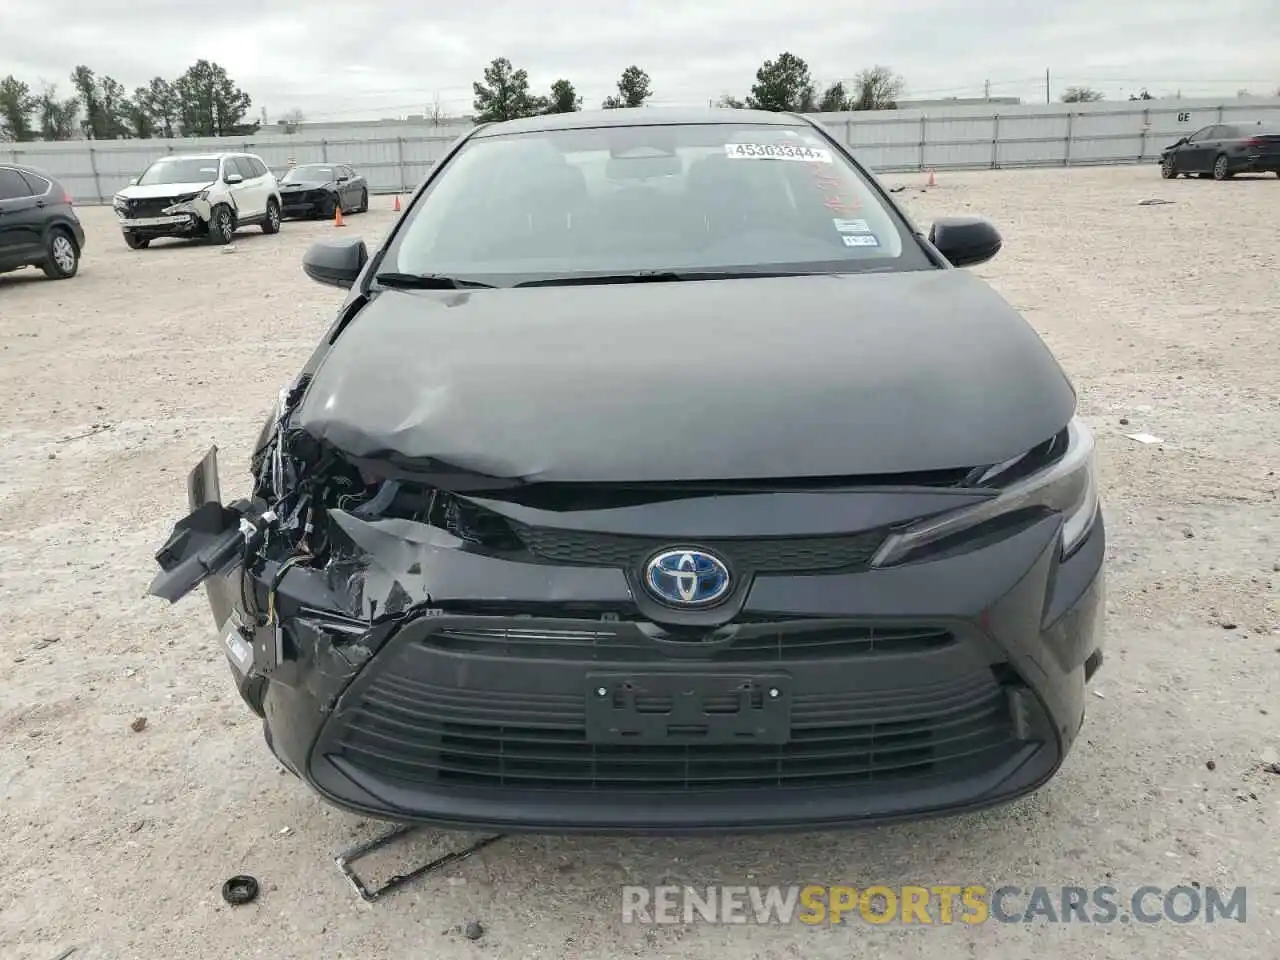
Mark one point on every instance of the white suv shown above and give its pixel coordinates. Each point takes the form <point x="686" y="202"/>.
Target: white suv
<point x="198" y="195"/>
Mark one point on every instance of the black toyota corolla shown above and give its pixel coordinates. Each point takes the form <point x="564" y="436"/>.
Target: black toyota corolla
<point x="658" y="475"/>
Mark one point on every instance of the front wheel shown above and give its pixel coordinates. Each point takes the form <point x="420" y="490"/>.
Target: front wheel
<point x="364" y="202"/>
<point x="222" y="225"/>
<point x="272" y="223"/>
<point x="1168" y="169"/>
<point x="135" y="242"/>
<point x="1220" y="169"/>
<point x="62" y="256"/>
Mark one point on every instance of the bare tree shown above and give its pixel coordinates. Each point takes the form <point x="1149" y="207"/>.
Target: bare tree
<point x="877" y="88"/>
<point x="1081" y="95"/>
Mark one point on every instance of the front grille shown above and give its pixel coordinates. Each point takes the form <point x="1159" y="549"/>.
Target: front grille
<point x="413" y="731"/>
<point x="751" y="643"/>
<point x="760" y="555"/>
<point x="154" y="207"/>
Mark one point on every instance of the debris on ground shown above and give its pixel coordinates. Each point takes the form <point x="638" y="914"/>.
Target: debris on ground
<point x="1153" y="202"/>
<point x="1210" y="765"/>
<point x="139" y="724"/>
<point x="240" y="889"/>
<point x="474" y="930"/>
<point x="1144" y="438"/>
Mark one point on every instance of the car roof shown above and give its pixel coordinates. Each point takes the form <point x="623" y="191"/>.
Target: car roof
<point x="23" y="168"/>
<point x="638" y="117"/>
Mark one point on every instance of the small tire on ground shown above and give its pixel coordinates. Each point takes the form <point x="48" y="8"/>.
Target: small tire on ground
<point x="135" y="242"/>
<point x="272" y="223"/>
<point x="62" y="255"/>
<point x="222" y="224"/>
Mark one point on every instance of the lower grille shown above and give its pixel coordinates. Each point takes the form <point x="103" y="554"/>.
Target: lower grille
<point x="417" y="732"/>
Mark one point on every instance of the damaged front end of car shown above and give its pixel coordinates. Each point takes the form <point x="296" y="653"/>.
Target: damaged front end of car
<point x="327" y="558"/>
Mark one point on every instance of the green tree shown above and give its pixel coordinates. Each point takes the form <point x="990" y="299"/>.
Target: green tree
<point x="210" y="104"/>
<point x="163" y="107"/>
<point x="86" y="85"/>
<point x="782" y="85"/>
<point x="16" y="104"/>
<point x="137" y="116"/>
<point x="563" y="99"/>
<point x="504" y="94"/>
<point x="876" y="88"/>
<point x="114" y="106"/>
<point x="633" y="90"/>
<point x="834" y="99"/>
<point x="1081" y="95"/>
<point x="57" y="117"/>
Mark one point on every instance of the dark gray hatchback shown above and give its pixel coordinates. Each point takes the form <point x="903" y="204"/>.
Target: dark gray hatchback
<point x="658" y="475"/>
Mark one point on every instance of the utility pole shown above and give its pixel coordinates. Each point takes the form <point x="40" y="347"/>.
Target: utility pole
<point x="1046" y="86"/>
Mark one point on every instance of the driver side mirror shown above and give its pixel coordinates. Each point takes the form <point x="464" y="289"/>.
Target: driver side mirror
<point x="1182" y="141"/>
<point x="336" y="264"/>
<point x="965" y="241"/>
<point x="233" y="178"/>
<point x="133" y="181"/>
<point x="343" y="179"/>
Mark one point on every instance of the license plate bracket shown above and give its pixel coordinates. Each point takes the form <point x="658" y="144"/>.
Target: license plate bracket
<point x="663" y="709"/>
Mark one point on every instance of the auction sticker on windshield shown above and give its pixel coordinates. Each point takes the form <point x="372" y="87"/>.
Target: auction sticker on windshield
<point x="851" y="226"/>
<point x="777" y="151"/>
<point x="860" y="240"/>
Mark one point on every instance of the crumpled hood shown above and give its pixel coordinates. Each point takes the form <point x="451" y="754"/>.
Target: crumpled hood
<point x="163" y="190"/>
<point x="709" y="380"/>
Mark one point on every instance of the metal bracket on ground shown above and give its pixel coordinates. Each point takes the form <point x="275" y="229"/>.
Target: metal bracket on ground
<point x="344" y="861"/>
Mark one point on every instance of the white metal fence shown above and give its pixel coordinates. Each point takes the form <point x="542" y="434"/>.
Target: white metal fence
<point x="395" y="157"/>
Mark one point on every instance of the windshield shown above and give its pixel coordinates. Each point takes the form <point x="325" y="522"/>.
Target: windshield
<point x="198" y="170"/>
<point x="309" y="171"/>
<point x="709" y="198"/>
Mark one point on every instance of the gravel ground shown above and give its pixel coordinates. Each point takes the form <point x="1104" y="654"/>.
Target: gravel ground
<point x="114" y="841"/>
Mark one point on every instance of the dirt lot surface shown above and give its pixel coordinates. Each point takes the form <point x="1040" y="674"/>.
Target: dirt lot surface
<point x="116" y="842"/>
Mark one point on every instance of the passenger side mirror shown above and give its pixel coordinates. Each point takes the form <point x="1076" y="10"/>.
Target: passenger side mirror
<point x="965" y="241"/>
<point x="336" y="263"/>
<point x="343" y="179"/>
<point x="233" y="178"/>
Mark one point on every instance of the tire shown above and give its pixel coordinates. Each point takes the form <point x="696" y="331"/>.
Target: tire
<point x="1168" y="168"/>
<point x="272" y="223"/>
<point x="135" y="242"/>
<point x="331" y="208"/>
<point x="364" y="202"/>
<point x="222" y="224"/>
<point x="62" y="255"/>
<point x="1221" y="168"/>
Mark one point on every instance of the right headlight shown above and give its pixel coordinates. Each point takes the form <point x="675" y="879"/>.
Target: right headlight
<point x="1068" y="486"/>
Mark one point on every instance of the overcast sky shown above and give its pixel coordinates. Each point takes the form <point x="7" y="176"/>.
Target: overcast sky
<point x="358" y="59"/>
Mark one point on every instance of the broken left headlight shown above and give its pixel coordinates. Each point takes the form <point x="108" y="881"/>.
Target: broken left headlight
<point x="1068" y="486"/>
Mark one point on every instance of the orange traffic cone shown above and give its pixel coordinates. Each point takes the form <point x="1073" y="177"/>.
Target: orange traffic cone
<point x="932" y="180"/>
<point x="337" y="217"/>
<point x="396" y="208"/>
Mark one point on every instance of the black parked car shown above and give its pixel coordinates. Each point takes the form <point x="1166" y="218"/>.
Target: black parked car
<point x="658" y="475"/>
<point x="1222" y="150"/>
<point x="38" y="224"/>
<point x="319" y="189"/>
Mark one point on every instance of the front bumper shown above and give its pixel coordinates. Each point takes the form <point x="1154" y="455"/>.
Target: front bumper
<point x="924" y="689"/>
<point x="170" y="225"/>
<point x="308" y="204"/>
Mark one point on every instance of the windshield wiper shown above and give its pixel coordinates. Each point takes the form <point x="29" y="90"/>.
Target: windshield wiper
<point x="425" y="281"/>
<point x="662" y="276"/>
